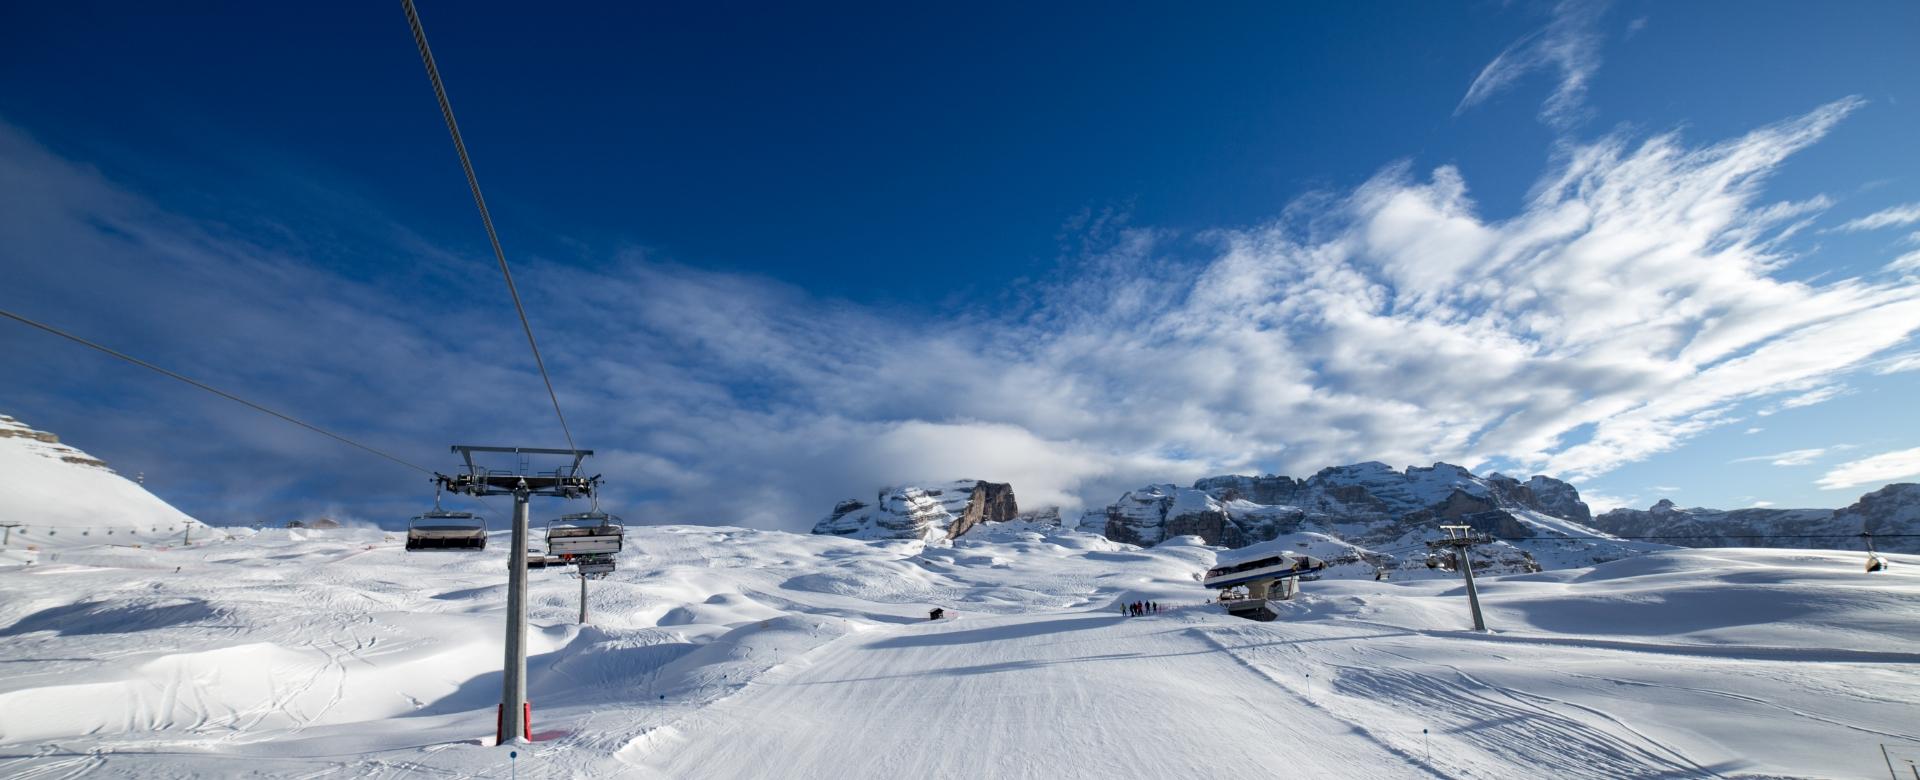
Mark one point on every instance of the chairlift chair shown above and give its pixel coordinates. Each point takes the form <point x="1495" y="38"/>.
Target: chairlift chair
<point x="439" y="529"/>
<point x="594" y="533"/>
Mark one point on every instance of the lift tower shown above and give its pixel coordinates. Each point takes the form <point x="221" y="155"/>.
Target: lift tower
<point x="523" y="483"/>
<point x="1461" y="539"/>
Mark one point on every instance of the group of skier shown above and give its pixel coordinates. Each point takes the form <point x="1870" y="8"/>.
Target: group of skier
<point x="1139" y="608"/>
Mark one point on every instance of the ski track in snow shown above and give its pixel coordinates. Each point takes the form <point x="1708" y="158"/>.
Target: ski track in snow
<point x="722" y="652"/>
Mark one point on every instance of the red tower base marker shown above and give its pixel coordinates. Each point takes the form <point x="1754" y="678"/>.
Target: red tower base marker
<point x="500" y="722"/>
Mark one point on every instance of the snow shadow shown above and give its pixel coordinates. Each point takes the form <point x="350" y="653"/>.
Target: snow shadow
<point x="102" y="617"/>
<point x="589" y="668"/>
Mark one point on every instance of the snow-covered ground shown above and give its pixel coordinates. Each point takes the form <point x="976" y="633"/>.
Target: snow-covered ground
<point x="722" y="652"/>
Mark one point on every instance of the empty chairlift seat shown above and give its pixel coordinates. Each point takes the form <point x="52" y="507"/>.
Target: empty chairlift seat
<point x="443" y="530"/>
<point x="585" y="533"/>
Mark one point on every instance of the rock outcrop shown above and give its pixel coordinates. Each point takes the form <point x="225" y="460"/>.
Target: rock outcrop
<point x="931" y="513"/>
<point x="1155" y="513"/>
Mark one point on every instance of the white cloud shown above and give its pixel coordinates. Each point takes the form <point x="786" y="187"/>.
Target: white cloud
<point x="1907" y="262"/>
<point x="1759" y="504"/>
<point x="1754" y="430"/>
<point x="1601" y="502"/>
<point x="1665" y="489"/>
<point x="1788" y="458"/>
<point x="1569" y="45"/>
<point x="1630" y="305"/>
<point x="1816" y="396"/>
<point x="1885" y="467"/>
<point x="1906" y="361"/>
<point x="1904" y="214"/>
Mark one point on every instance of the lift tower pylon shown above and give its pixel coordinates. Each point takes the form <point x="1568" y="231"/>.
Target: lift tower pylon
<point x="523" y="484"/>
<point x="1462" y="539"/>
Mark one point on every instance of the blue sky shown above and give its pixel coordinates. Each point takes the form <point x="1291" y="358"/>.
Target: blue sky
<point x="783" y="256"/>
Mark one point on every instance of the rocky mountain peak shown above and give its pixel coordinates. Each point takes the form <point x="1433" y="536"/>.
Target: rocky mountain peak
<point x="939" y="511"/>
<point x="1891" y="509"/>
<point x="1347" y="506"/>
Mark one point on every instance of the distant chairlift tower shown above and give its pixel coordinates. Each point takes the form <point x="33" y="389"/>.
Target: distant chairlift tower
<point x="1462" y="539"/>
<point x="523" y="484"/>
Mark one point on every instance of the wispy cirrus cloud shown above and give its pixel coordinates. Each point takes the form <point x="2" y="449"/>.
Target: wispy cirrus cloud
<point x="1568" y="46"/>
<point x="1907" y="262"/>
<point x="1885" y="467"/>
<point x="1788" y="458"/>
<point x="1905" y="214"/>
<point x="1895" y="364"/>
<point x="1631" y="304"/>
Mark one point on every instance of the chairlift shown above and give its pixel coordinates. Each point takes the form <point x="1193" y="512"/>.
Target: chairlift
<point x="441" y="529"/>
<point x="593" y="533"/>
<point x="1874" y="560"/>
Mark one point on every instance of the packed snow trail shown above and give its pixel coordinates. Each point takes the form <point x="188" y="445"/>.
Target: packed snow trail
<point x="1030" y="696"/>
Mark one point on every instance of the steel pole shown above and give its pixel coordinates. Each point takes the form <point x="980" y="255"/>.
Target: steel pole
<point x="1473" y="594"/>
<point x="513" y="693"/>
<point x="583" y="599"/>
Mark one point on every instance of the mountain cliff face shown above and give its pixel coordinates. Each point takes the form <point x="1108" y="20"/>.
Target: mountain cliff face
<point x="1236" y="511"/>
<point x="1894" y="509"/>
<point x="930" y="513"/>
<point x="1349" y="513"/>
<point x="1367" y="517"/>
<point x="62" y="496"/>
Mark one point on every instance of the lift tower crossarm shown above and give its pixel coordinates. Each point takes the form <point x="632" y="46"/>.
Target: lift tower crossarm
<point x="481" y="481"/>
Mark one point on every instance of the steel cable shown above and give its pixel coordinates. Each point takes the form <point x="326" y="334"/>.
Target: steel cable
<point x="209" y="388"/>
<point x="486" y="219"/>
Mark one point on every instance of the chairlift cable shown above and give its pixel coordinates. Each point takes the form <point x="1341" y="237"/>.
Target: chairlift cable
<point x="486" y="219"/>
<point x="209" y="388"/>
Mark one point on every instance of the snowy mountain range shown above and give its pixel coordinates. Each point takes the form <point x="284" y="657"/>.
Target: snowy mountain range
<point x="1894" y="509"/>
<point x="1369" y="515"/>
<point x="1236" y="511"/>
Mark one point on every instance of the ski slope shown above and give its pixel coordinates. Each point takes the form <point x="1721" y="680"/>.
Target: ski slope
<point x="722" y="652"/>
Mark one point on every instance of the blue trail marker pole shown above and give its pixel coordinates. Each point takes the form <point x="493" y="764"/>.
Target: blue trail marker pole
<point x="513" y="762"/>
